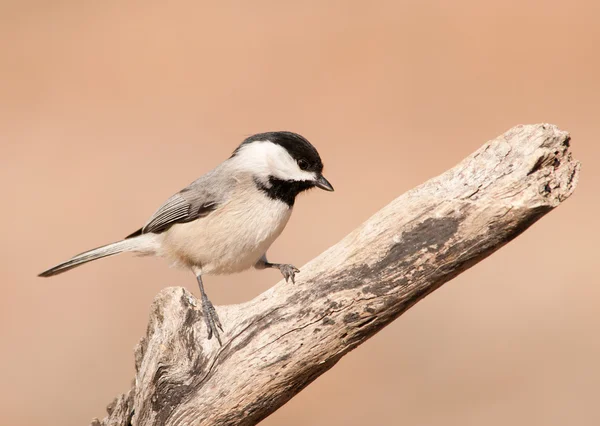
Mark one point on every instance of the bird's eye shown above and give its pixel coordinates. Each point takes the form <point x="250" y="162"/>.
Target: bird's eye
<point x="303" y="164"/>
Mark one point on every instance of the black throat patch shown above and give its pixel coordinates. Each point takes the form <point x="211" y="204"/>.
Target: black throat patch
<point x="283" y="190"/>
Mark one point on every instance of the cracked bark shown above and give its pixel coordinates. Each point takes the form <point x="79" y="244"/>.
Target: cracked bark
<point x="278" y="343"/>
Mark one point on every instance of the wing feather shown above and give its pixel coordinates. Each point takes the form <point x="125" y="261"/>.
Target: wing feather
<point x="195" y="201"/>
<point x="182" y="207"/>
<point x="175" y="209"/>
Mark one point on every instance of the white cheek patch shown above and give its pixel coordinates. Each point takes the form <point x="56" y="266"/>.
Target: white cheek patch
<point x="269" y="159"/>
<point x="283" y="166"/>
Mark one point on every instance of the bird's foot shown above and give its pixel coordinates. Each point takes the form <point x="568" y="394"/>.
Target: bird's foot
<point x="213" y="324"/>
<point x="288" y="272"/>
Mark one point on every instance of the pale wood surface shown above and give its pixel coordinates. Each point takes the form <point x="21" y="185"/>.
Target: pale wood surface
<point x="278" y="343"/>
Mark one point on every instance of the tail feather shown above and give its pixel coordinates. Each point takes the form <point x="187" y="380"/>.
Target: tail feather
<point x="87" y="256"/>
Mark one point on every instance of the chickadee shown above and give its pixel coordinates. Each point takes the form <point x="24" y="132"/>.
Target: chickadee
<point x="225" y="221"/>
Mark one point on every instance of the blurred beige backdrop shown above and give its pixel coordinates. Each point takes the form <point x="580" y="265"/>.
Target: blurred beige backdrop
<point x="109" y="107"/>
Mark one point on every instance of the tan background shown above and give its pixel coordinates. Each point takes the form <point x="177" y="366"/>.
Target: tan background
<point x="108" y="107"/>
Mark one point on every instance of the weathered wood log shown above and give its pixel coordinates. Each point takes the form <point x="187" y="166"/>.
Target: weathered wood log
<point x="278" y="343"/>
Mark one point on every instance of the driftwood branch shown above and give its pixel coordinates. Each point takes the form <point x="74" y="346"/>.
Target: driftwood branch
<point x="278" y="343"/>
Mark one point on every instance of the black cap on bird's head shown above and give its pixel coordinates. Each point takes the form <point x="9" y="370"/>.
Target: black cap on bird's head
<point x="286" y="164"/>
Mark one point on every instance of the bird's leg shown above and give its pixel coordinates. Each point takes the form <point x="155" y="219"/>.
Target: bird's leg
<point x="210" y="314"/>
<point x="288" y="271"/>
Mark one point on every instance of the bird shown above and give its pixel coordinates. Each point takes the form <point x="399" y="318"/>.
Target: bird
<point x="225" y="221"/>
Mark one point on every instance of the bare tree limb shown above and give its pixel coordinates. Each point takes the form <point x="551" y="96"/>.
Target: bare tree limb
<point x="278" y="343"/>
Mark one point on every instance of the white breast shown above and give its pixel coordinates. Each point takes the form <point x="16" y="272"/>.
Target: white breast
<point x="230" y="239"/>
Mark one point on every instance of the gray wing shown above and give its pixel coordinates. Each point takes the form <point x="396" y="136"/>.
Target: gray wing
<point x="189" y="204"/>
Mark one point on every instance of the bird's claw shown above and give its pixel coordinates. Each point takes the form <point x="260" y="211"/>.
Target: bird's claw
<point x="289" y="272"/>
<point x="213" y="324"/>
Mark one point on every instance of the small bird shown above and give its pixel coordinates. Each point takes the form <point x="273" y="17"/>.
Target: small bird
<point x="225" y="221"/>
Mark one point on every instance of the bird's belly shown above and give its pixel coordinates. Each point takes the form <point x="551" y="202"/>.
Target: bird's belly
<point x="231" y="239"/>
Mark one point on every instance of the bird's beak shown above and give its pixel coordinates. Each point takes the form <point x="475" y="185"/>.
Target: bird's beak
<point x="321" y="182"/>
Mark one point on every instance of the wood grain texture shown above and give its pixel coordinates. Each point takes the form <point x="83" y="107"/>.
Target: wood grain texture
<point x="278" y="343"/>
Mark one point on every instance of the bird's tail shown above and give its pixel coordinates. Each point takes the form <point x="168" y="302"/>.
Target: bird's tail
<point x="138" y="244"/>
